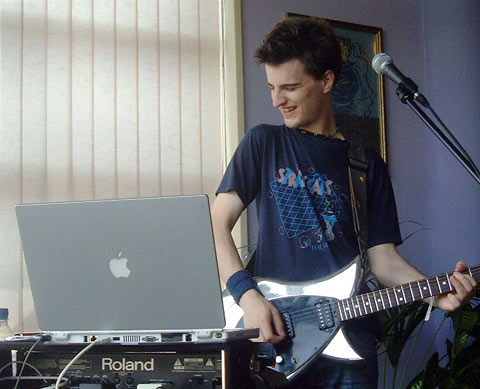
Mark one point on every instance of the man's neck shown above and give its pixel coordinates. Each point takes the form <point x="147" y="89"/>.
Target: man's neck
<point x="326" y="126"/>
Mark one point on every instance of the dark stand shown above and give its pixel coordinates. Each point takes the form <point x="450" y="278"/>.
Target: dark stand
<point x="446" y="137"/>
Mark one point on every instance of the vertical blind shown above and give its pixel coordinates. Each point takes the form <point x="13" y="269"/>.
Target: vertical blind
<point x="103" y="99"/>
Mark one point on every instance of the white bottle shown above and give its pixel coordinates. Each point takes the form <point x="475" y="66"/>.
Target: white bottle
<point x="5" y="329"/>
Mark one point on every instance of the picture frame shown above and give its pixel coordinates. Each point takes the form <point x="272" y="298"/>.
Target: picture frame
<point x="358" y="96"/>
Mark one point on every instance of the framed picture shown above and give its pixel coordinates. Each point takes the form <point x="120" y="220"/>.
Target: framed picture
<point x="358" y="97"/>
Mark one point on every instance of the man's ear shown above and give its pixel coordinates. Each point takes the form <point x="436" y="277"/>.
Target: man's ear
<point x="328" y="81"/>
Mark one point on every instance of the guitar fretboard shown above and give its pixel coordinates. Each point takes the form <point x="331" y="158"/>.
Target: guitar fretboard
<point x="379" y="300"/>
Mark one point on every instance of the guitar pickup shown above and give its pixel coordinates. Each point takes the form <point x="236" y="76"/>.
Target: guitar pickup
<point x="324" y="315"/>
<point x="287" y="321"/>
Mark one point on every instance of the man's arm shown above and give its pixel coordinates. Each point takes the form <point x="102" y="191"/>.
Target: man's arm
<point x="391" y="269"/>
<point x="258" y="312"/>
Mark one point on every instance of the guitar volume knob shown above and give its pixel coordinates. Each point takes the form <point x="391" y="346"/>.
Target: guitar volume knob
<point x="279" y="360"/>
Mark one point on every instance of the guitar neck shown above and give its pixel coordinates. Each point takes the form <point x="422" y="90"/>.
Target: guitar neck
<point x="380" y="300"/>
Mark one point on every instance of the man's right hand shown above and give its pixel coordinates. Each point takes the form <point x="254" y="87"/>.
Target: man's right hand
<point x="261" y="313"/>
<point x="258" y="312"/>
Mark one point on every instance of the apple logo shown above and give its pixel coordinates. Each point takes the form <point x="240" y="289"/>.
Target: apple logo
<point x="118" y="266"/>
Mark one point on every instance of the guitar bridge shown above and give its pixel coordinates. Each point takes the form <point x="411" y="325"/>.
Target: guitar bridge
<point x="287" y="321"/>
<point x="324" y="316"/>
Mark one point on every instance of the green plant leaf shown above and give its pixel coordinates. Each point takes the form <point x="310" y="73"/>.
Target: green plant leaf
<point x="465" y="321"/>
<point x="431" y="377"/>
<point x="468" y="372"/>
<point x="462" y="369"/>
<point x="398" y="325"/>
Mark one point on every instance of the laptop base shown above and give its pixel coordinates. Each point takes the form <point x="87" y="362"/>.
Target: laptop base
<point x="174" y="337"/>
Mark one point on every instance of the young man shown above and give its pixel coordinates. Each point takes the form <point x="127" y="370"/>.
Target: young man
<point x="298" y="175"/>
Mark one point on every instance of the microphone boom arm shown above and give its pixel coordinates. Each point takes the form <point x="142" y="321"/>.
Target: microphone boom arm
<point x="407" y="98"/>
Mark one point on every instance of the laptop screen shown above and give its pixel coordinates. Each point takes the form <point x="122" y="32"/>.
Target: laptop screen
<point x="143" y="264"/>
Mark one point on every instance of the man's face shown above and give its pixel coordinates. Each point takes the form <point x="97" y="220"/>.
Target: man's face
<point x="303" y="101"/>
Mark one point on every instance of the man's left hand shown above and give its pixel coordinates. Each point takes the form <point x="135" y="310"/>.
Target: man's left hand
<point x="464" y="286"/>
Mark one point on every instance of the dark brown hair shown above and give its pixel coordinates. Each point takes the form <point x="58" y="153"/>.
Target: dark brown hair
<point x="306" y="38"/>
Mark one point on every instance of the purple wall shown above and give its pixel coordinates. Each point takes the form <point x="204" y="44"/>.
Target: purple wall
<point x="436" y="43"/>
<point x="452" y="42"/>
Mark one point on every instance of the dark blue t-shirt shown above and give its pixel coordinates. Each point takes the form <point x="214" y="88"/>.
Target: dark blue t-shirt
<point x="300" y="184"/>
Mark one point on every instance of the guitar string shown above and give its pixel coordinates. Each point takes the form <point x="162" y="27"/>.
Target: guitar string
<point x="358" y="305"/>
<point x="372" y="308"/>
<point x="354" y="310"/>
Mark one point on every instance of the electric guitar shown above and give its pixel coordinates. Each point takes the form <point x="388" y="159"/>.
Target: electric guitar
<point x="313" y="312"/>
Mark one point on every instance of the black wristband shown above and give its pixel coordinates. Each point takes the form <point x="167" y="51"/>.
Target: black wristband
<point x="239" y="283"/>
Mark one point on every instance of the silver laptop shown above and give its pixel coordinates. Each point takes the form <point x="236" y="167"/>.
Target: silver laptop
<point x="134" y="270"/>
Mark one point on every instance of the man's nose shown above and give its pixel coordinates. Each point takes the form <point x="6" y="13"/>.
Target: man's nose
<point x="278" y="98"/>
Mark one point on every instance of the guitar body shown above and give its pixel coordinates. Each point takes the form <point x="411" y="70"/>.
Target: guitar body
<point x="309" y="316"/>
<point x="308" y="333"/>
<point x="313" y="312"/>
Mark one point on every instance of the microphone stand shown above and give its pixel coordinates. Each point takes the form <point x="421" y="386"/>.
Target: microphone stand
<point x="406" y="97"/>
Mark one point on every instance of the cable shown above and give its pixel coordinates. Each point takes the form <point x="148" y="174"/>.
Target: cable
<point x="64" y="371"/>
<point x="28" y="364"/>
<point x="40" y="339"/>
<point x="35" y="378"/>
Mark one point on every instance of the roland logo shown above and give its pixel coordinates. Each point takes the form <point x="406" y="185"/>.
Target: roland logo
<point x="126" y="365"/>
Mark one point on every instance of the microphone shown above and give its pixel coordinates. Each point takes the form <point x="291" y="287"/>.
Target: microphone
<point x="382" y="64"/>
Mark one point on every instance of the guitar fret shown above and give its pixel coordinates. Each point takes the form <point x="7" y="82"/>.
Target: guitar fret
<point x="363" y="302"/>
<point x="411" y="291"/>
<point x="395" y="295"/>
<point x="448" y="280"/>
<point x="395" y="291"/>
<point x="360" y="305"/>
<point x="430" y="290"/>
<point x="352" y="303"/>
<point x="403" y="292"/>
<point x="439" y="286"/>
<point x="339" y="310"/>
<point x="384" y="305"/>
<point x="349" y="311"/>
<point x="426" y="288"/>
<point x="419" y="292"/>
<point x="349" y="308"/>
<point x="375" y="299"/>
<point x="353" y="311"/>
<point x="383" y="302"/>
<point x="357" y="306"/>
<point x="442" y="280"/>
<point x="399" y="292"/>
<point x="345" y="310"/>
<point x="367" y="304"/>
<point x="370" y="303"/>
<point x="388" y="295"/>
<point x="352" y="307"/>
<point x="420" y="289"/>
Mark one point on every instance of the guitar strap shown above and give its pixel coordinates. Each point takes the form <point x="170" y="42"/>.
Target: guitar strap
<point x="357" y="175"/>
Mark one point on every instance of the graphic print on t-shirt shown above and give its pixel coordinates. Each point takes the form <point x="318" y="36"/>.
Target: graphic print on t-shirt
<point x="308" y="206"/>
